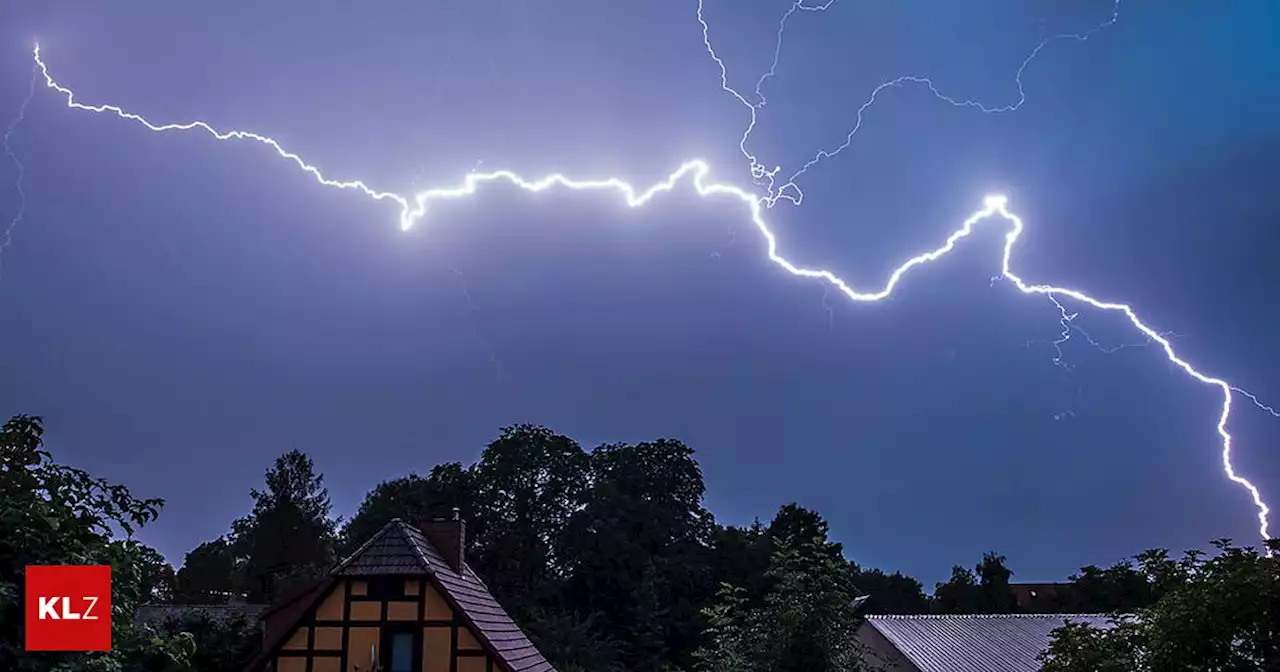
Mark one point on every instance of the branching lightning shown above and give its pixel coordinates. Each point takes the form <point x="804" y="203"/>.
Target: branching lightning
<point x="6" y="237"/>
<point x="1069" y="328"/>
<point x="789" y="190"/>
<point x="696" y="173"/>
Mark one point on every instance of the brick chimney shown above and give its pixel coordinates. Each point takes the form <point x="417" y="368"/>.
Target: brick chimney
<point x="449" y="536"/>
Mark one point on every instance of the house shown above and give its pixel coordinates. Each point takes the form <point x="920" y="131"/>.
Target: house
<point x="964" y="643"/>
<point x="405" y="601"/>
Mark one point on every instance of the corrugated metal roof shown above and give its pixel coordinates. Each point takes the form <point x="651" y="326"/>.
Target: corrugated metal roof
<point x="400" y="548"/>
<point x="976" y="643"/>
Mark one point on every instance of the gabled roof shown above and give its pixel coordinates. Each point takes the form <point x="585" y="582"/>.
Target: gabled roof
<point x="281" y="618"/>
<point x="401" y="549"/>
<point x="976" y="643"/>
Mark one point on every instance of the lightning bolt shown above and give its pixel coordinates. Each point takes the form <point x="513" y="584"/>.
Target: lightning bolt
<point x="7" y="238"/>
<point x="789" y="190"/>
<point x="759" y="173"/>
<point x="696" y="173"/>
<point x="1069" y="327"/>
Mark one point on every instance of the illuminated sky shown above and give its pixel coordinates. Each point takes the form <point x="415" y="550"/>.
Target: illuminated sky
<point x="181" y="311"/>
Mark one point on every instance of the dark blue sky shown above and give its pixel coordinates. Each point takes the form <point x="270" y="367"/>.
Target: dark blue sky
<point x="182" y="310"/>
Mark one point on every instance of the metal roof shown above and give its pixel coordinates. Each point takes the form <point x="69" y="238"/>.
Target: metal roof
<point x="976" y="643"/>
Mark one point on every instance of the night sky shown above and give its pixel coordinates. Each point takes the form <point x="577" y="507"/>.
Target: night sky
<point x="182" y="310"/>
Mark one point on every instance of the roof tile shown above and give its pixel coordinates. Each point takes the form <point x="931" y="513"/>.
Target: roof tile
<point x="400" y="548"/>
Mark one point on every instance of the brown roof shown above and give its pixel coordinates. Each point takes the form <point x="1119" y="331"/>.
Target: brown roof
<point x="400" y="548"/>
<point x="281" y="618"/>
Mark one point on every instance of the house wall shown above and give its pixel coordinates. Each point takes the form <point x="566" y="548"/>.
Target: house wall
<point x="880" y="654"/>
<point x="351" y="624"/>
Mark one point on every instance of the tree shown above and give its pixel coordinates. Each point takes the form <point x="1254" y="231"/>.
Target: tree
<point x="574" y="643"/>
<point x="812" y="609"/>
<point x="795" y="524"/>
<point x="1079" y="647"/>
<point x="208" y="575"/>
<point x="740" y="559"/>
<point x="1210" y="613"/>
<point x="51" y="514"/>
<point x="729" y="642"/>
<point x="289" y="537"/>
<point x="636" y="551"/>
<point x="958" y="595"/>
<point x="1117" y="589"/>
<point x="221" y="644"/>
<point x="158" y="579"/>
<point x="984" y="590"/>
<point x="414" y="499"/>
<point x="894" y="593"/>
<point x="993" y="585"/>
<point x="806" y="622"/>
<point x="528" y="483"/>
<point x="807" y="619"/>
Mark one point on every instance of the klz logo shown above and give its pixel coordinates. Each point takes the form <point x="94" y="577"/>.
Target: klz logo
<point x="49" y="606"/>
<point x="68" y="608"/>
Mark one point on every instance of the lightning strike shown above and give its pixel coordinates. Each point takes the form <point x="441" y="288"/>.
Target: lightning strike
<point x="7" y="238"/>
<point x="1069" y="327"/>
<point x="696" y="173"/>
<point x="789" y="190"/>
<point x="798" y="6"/>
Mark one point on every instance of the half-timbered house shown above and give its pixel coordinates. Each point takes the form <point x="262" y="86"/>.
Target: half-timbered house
<point x="405" y="601"/>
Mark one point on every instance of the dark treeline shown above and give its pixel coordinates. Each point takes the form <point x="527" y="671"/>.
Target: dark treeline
<point x="607" y="558"/>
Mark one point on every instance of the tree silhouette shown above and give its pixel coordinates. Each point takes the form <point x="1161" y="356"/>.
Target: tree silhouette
<point x="1211" y="613"/>
<point x="289" y="537"/>
<point x="52" y="514"/>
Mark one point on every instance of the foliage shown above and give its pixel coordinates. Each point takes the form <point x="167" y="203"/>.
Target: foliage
<point x="52" y="514"/>
<point x="807" y="619"/>
<point x="959" y="594"/>
<point x="893" y="593"/>
<point x="729" y="638"/>
<point x="1079" y="647"/>
<point x="609" y="560"/>
<point x="414" y="499"/>
<point x="985" y="590"/>
<point x="208" y="575"/>
<point x="740" y="558"/>
<point x="1210" y="613"/>
<point x="635" y="549"/>
<point x="810" y="610"/>
<point x="1117" y="589"/>
<point x="529" y="482"/>
<point x="221" y="644"/>
<point x="995" y="597"/>
<point x="574" y="642"/>
<point x="289" y="538"/>
<point x="158" y="581"/>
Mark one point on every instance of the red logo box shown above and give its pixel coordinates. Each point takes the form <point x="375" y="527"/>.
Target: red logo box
<point x="68" y="608"/>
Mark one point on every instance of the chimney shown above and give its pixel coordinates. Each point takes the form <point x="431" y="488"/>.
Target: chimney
<point x="449" y="536"/>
